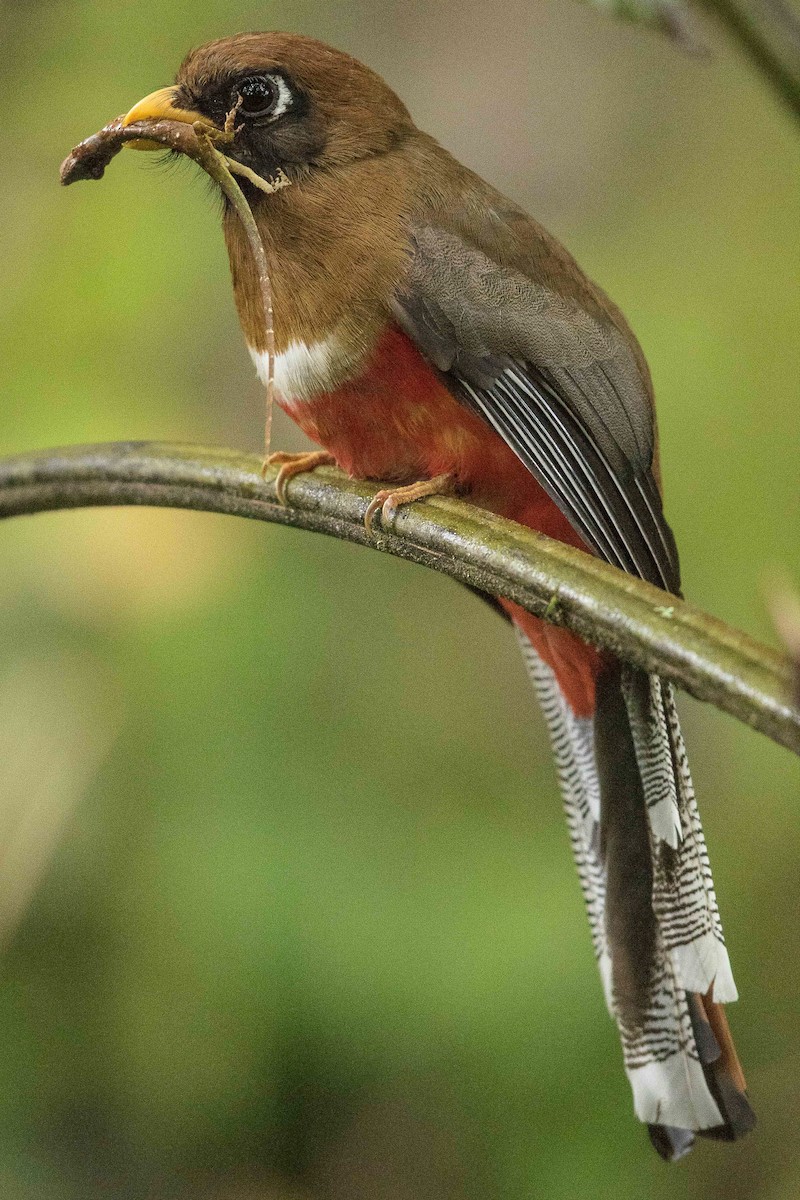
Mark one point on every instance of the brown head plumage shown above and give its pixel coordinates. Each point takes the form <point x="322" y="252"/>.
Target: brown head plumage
<point x="303" y="105"/>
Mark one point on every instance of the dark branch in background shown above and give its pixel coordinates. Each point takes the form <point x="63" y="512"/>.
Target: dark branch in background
<point x="769" y="33"/>
<point x="767" y="30"/>
<point x="613" y="610"/>
<point x="673" y="18"/>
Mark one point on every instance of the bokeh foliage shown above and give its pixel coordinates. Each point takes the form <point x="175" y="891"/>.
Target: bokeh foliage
<point x="288" y="902"/>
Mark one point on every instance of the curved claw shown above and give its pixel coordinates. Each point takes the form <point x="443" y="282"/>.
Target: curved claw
<point x="291" y="465"/>
<point x="282" y="482"/>
<point x="379" y="501"/>
<point x="388" y="500"/>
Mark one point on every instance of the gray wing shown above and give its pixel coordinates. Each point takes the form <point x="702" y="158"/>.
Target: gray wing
<point x="559" y="383"/>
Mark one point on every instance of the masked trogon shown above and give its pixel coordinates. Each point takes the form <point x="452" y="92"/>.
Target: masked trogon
<point x="430" y="334"/>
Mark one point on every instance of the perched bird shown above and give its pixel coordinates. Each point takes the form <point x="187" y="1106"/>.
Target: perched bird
<point x="431" y="334"/>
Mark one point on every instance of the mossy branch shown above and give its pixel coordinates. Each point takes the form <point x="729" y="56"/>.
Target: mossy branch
<point x="613" y="610"/>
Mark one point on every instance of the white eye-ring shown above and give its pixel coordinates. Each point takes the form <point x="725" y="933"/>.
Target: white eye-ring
<point x="284" y="100"/>
<point x="262" y="96"/>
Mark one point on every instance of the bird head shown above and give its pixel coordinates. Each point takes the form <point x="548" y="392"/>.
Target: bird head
<point x="297" y="105"/>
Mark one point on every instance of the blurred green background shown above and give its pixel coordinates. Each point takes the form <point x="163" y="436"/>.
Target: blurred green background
<point x="287" y="902"/>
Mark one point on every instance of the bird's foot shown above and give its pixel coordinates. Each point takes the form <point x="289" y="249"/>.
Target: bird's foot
<point x="388" y="500"/>
<point x="294" y="464"/>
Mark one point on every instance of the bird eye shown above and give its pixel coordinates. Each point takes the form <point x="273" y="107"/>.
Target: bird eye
<point x="258" y="94"/>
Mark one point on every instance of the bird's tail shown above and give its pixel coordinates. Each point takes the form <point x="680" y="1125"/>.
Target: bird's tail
<point x="644" y="870"/>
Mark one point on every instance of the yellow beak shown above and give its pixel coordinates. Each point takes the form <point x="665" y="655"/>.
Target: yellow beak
<point x="159" y="106"/>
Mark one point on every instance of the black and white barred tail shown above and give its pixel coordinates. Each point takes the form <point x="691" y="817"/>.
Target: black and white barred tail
<point x="644" y="870"/>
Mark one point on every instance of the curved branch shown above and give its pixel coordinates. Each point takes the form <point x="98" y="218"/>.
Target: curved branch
<point x="613" y="610"/>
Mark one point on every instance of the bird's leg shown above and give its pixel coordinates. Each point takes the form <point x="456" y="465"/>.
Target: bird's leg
<point x="295" y="464"/>
<point x="388" y="500"/>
